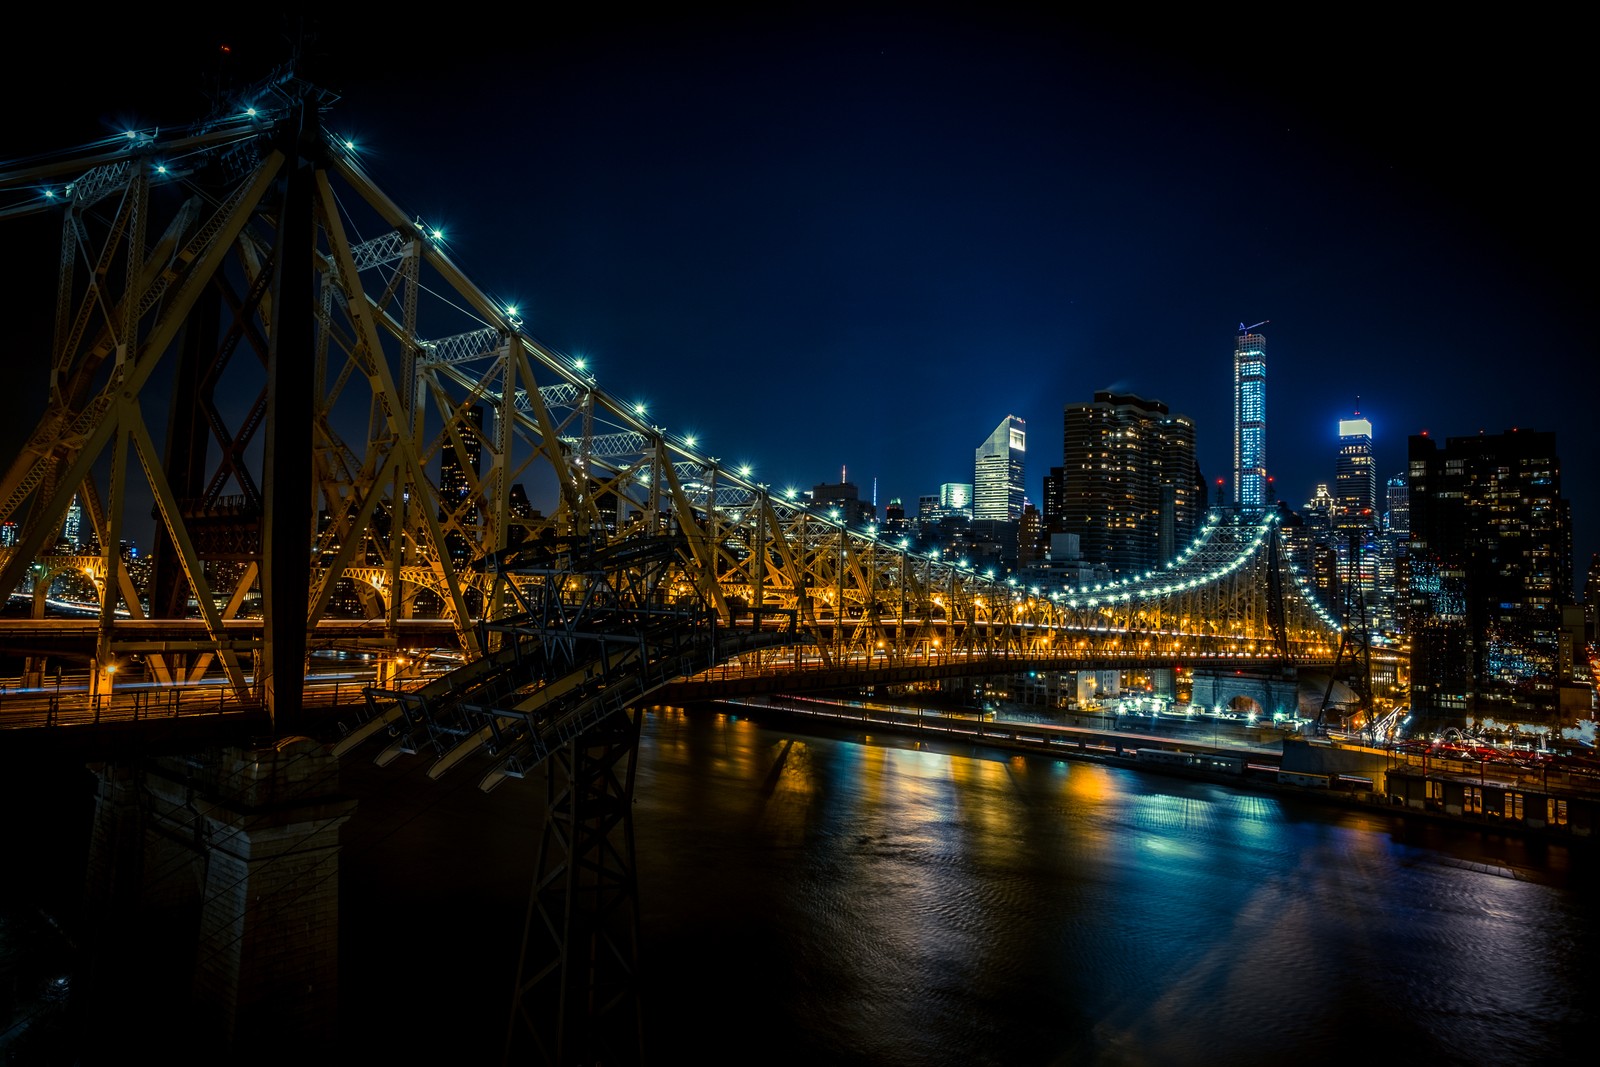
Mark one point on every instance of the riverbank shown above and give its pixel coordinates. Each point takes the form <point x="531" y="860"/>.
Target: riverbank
<point x="1231" y="753"/>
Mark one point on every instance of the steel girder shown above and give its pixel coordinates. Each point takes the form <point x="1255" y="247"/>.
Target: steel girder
<point x="406" y="347"/>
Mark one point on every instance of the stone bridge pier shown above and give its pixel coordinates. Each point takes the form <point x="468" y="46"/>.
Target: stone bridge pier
<point x="1267" y="692"/>
<point x="213" y="885"/>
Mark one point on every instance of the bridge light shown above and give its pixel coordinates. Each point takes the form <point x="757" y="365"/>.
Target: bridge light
<point x="638" y="408"/>
<point x="349" y="145"/>
<point x="744" y="470"/>
<point x="248" y="111"/>
<point x="689" y="440"/>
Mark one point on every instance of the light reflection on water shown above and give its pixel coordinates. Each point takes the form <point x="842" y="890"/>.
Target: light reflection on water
<point x="834" y="902"/>
<point x="814" y="900"/>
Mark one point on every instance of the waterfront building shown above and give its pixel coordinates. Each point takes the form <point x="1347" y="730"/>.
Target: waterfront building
<point x="1489" y="568"/>
<point x="997" y="487"/>
<point x="1131" y="489"/>
<point x="1250" y="483"/>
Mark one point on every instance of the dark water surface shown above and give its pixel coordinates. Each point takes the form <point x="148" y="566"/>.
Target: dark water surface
<point x="816" y="900"/>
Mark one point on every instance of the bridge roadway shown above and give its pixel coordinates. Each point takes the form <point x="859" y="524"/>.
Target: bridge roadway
<point x="76" y="637"/>
<point x="69" y="712"/>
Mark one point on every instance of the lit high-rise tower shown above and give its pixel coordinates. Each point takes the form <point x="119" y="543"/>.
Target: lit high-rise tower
<point x="455" y="487"/>
<point x="1355" y="479"/>
<point x="72" y="532"/>
<point x="1250" y="418"/>
<point x="997" y="489"/>
<point x="1130" y="487"/>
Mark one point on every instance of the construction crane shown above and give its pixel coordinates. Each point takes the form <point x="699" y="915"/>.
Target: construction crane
<point x="1246" y="329"/>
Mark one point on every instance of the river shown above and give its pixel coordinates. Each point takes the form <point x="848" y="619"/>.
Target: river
<point x="829" y="899"/>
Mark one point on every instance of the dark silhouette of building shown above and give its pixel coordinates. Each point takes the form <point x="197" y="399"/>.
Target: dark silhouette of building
<point x="1488" y="570"/>
<point x="842" y="500"/>
<point x="1051" y="509"/>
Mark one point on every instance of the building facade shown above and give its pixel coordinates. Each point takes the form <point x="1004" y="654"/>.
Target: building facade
<point x="457" y="494"/>
<point x="1131" y="490"/>
<point x="842" y="501"/>
<point x="1250" y="485"/>
<point x="1355" y="479"/>
<point x="997" y="487"/>
<point x="1488" y="570"/>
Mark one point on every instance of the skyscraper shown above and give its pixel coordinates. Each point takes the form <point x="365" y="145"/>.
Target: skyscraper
<point x="1355" y="480"/>
<point x="1250" y="418"/>
<point x="72" y="532"/>
<point x="456" y="488"/>
<point x="1130" y="486"/>
<point x="997" y="489"/>
<point x="1489" y="569"/>
<point x="1391" y="550"/>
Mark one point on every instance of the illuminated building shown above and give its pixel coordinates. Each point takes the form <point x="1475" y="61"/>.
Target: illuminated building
<point x="955" y="498"/>
<point x="1591" y="599"/>
<point x="895" y="522"/>
<point x="1131" y="489"/>
<point x="1355" y="480"/>
<point x="456" y="494"/>
<point x="997" y="489"/>
<point x="71" y="533"/>
<point x="1489" y="569"/>
<point x="1250" y="488"/>
<point x="1387" y="616"/>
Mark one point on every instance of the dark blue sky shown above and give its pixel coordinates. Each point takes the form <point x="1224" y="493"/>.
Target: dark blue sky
<point x="820" y="239"/>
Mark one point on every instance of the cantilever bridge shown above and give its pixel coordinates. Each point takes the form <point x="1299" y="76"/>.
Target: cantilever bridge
<point x="257" y="346"/>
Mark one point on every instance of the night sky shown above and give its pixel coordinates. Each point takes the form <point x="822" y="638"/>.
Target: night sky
<point x="821" y="239"/>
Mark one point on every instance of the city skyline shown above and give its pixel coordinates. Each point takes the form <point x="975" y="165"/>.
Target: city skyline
<point x="877" y="260"/>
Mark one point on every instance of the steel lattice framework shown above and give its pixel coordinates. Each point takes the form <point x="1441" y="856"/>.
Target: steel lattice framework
<point x="253" y="342"/>
<point x="311" y="379"/>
